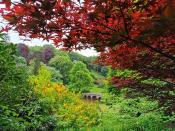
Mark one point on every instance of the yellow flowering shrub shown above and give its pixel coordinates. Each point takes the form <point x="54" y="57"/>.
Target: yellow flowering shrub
<point x="68" y="107"/>
<point x="41" y="81"/>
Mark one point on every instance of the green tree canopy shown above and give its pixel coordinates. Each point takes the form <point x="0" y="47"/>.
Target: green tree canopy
<point x="80" y="77"/>
<point x="63" y="64"/>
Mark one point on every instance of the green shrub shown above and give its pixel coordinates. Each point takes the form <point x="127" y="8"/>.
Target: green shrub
<point x="155" y="82"/>
<point x="132" y="115"/>
<point x="13" y="78"/>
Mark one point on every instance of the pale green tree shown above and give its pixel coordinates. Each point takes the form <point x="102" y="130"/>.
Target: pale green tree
<point x="80" y="78"/>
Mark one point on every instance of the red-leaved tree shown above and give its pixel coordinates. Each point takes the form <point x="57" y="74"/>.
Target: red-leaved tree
<point x="24" y="52"/>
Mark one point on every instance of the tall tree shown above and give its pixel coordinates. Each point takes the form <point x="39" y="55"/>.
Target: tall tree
<point x="80" y="78"/>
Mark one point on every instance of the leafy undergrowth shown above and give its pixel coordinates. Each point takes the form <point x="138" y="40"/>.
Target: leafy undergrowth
<point x="130" y="114"/>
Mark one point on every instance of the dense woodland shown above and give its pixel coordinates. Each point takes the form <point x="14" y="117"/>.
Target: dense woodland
<point x="41" y="87"/>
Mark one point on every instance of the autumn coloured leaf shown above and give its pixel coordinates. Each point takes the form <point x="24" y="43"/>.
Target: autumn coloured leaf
<point x="7" y="3"/>
<point x="19" y="10"/>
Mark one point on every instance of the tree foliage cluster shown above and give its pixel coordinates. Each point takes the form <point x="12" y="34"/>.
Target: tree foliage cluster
<point x="135" y="34"/>
<point x="61" y="64"/>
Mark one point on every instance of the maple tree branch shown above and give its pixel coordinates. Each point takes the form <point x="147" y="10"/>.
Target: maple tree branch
<point x="124" y="21"/>
<point x="171" y="57"/>
<point x="152" y="48"/>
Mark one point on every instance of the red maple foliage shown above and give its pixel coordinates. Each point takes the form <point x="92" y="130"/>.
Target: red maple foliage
<point x="134" y="34"/>
<point x="107" y="24"/>
<point x="7" y="3"/>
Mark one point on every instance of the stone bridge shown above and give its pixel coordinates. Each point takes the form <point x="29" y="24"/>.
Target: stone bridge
<point x="92" y="96"/>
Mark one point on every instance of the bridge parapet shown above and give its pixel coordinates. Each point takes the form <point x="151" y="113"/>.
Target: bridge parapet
<point x="92" y="96"/>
